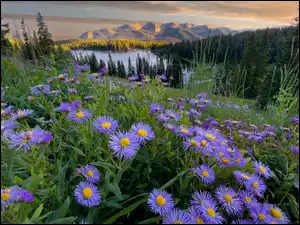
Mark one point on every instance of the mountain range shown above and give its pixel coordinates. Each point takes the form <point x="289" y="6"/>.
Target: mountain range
<point x="171" y="32"/>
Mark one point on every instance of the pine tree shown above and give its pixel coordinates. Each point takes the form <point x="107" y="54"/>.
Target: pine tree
<point x="94" y="65"/>
<point x="45" y="38"/>
<point x="123" y="74"/>
<point x="160" y="67"/>
<point x="6" y="47"/>
<point x="110" y="65"/>
<point x="114" y="69"/>
<point x="130" y="72"/>
<point x="119" y="69"/>
<point x="138" y="65"/>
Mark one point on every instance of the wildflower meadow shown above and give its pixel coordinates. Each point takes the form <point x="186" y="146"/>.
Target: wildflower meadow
<point x="80" y="147"/>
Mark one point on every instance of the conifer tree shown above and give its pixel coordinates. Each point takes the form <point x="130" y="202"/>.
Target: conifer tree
<point x="45" y="38"/>
<point x="130" y="72"/>
<point x="6" y="47"/>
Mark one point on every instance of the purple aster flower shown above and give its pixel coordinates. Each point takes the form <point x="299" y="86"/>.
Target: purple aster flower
<point x="297" y="185"/>
<point x="103" y="70"/>
<point x="193" y="112"/>
<point x="22" y="195"/>
<point x="160" y="202"/>
<point x="64" y="107"/>
<point x="87" y="194"/>
<point x="295" y="149"/>
<point x="288" y="135"/>
<point x="195" y="216"/>
<point x="91" y="174"/>
<point x="206" y="174"/>
<point x="162" y="118"/>
<point x="154" y="108"/>
<point x="41" y="136"/>
<point x="262" y="169"/>
<point x="201" y="197"/>
<point x="72" y="90"/>
<point x="8" y="125"/>
<point x="21" y="113"/>
<point x="105" y="124"/>
<point x="79" y="116"/>
<point x="124" y="144"/>
<point x="248" y="199"/>
<point x="277" y="214"/>
<point x="229" y="200"/>
<point x="195" y="143"/>
<point x="241" y="177"/>
<point x="89" y="97"/>
<point x="210" y="214"/>
<point x="143" y="131"/>
<point x="184" y="132"/>
<point x="173" y="115"/>
<point x="294" y="120"/>
<point x="8" y="196"/>
<point x="256" y="185"/>
<point x="22" y="140"/>
<point x="202" y="107"/>
<point x="170" y="126"/>
<point x="260" y="215"/>
<point x="40" y="89"/>
<point x="177" y="216"/>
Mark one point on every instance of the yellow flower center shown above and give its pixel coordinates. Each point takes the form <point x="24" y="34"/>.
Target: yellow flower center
<point x="2" y="112"/>
<point x="262" y="169"/>
<point x="142" y="133"/>
<point x="221" y="153"/>
<point x="160" y="200"/>
<point x="90" y="173"/>
<point x="211" y="212"/>
<point x="273" y="222"/>
<point x="60" y="76"/>
<point x="20" y="113"/>
<point x="255" y="184"/>
<point x="184" y="131"/>
<point x="194" y="143"/>
<point x="228" y="198"/>
<point x="196" y="101"/>
<point x="4" y="196"/>
<point x="2" y="127"/>
<point x="205" y="173"/>
<point x="199" y="221"/>
<point x="178" y="222"/>
<point x="203" y="143"/>
<point x="245" y="177"/>
<point x="125" y="142"/>
<point x="79" y="114"/>
<point x="238" y="160"/>
<point x="261" y="217"/>
<point x="106" y="125"/>
<point x="275" y="213"/>
<point x="95" y="74"/>
<point x="210" y="136"/>
<point x="172" y="115"/>
<point x="247" y="199"/>
<point x="225" y="160"/>
<point x="87" y="192"/>
<point x="222" y="143"/>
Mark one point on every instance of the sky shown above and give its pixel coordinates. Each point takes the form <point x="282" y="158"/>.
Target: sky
<point x="67" y="20"/>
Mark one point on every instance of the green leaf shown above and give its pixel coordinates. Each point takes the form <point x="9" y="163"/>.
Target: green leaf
<point x="76" y="149"/>
<point x="294" y="206"/>
<point x="67" y="220"/>
<point x="125" y="211"/>
<point x="170" y="182"/>
<point x="151" y="220"/>
<point x="37" y="212"/>
<point x="115" y="189"/>
<point x="60" y="212"/>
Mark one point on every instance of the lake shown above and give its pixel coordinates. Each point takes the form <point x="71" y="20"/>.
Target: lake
<point x="124" y="56"/>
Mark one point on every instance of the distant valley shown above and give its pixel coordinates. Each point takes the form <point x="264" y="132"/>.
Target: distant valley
<point x="170" y="32"/>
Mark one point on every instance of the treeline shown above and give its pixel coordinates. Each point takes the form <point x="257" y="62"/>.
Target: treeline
<point x="115" y="45"/>
<point x="252" y="60"/>
<point x="173" y="69"/>
<point x="36" y="48"/>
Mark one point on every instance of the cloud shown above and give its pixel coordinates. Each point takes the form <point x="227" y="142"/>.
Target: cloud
<point x="70" y="19"/>
<point x="281" y="11"/>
